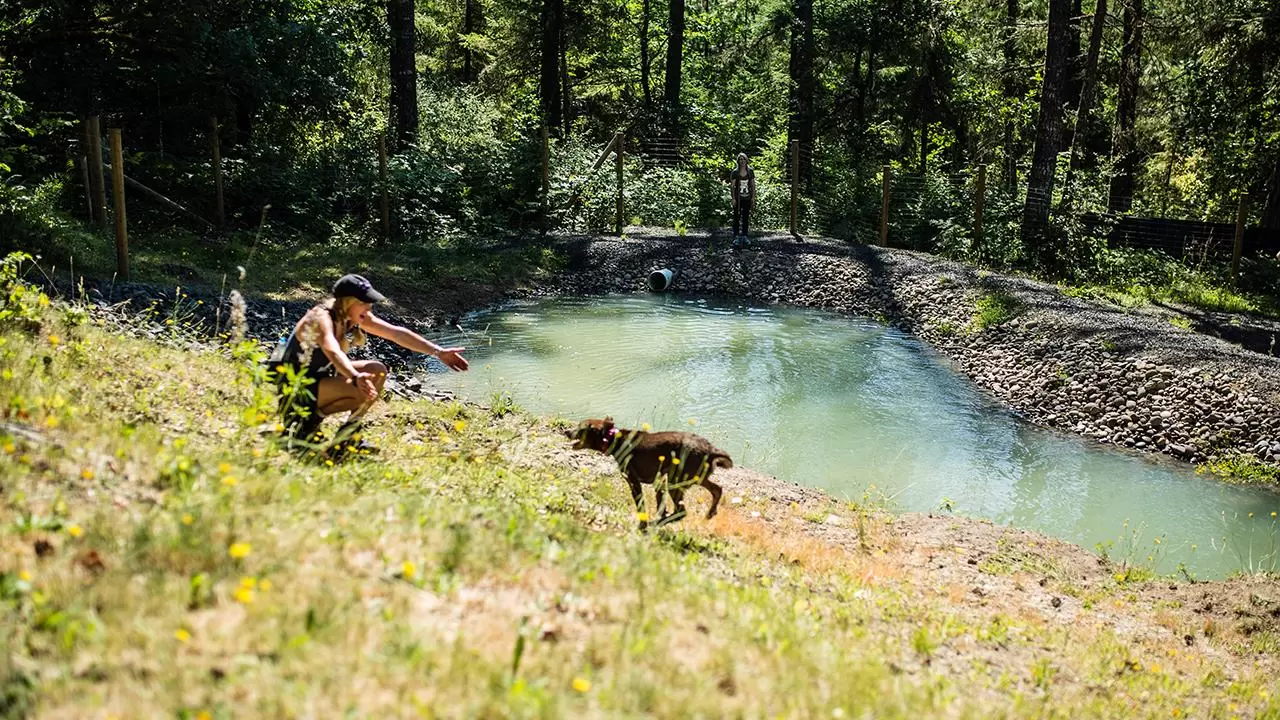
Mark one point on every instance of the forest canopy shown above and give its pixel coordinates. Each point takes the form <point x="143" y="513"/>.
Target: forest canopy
<point x="1159" y="108"/>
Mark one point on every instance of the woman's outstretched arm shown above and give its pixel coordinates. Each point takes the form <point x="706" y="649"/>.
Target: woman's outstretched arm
<point x="406" y="338"/>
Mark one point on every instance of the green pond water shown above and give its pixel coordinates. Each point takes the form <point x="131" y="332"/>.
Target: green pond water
<point x="855" y="408"/>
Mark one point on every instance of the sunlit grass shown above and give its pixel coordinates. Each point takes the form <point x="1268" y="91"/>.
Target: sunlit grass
<point x="161" y="558"/>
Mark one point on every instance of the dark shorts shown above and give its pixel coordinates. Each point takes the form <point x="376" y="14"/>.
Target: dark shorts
<point x="303" y="403"/>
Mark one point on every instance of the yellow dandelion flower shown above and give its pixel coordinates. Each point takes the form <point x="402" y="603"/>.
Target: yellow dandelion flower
<point x="662" y="458"/>
<point x="204" y="715"/>
<point x="24" y="576"/>
<point x="408" y="570"/>
<point x="1273" y="513"/>
<point x="224" y="468"/>
<point x="75" y="531"/>
<point x="459" y="426"/>
<point x="51" y="422"/>
<point x="675" y="461"/>
<point x="243" y="595"/>
<point x="182" y="635"/>
<point x="187" y="519"/>
<point x="262" y="417"/>
<point x="229" y="481"/>
<point x="279" y="428"/>
<point x="642" y="516"/>
<point x="87" y="473"/>
<point x="582" y="685"/>
<point x="644" y="427"/>
<point x="1250" y="514"/>
<point x="55" y="340"/>
<point x="693" y="421"/>
<point x="239" y="551"/>
<point x="9" y="448"/>
<point x="248" y="583"/>
<point x="264" y="585"/>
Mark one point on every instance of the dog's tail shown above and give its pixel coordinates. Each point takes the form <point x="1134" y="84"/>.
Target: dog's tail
<point x="723" y="461"/>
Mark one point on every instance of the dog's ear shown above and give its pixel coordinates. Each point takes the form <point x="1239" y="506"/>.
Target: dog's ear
<point x="608" y="421"/>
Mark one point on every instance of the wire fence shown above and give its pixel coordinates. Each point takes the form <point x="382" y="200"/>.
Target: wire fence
<point x="680" y="182"/>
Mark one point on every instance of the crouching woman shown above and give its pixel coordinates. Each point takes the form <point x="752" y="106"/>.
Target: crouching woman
<point x="334" y="383"/>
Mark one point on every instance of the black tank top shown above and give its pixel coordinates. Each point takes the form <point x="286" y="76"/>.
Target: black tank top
<point x="290" y="353"/>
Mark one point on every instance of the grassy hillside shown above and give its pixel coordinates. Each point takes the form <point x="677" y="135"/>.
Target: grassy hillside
<point x="162" y="557"/>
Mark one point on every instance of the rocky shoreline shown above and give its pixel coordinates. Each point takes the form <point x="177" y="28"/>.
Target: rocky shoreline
<point x="1122" y="377"/>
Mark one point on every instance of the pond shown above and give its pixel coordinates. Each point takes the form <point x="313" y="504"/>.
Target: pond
<point x="860" y="410"/>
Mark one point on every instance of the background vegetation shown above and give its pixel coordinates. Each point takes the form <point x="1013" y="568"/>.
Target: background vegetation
<point x="1159" y="108"/>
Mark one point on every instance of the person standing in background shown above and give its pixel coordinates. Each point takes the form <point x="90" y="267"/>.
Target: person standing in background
<point x="743" y="182"/>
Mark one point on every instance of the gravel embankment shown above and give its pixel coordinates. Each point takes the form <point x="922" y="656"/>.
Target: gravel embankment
<point x="1119" y="376"/>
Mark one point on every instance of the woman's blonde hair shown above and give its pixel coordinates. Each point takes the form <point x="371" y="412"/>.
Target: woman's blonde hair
<point x="342" y="324"/>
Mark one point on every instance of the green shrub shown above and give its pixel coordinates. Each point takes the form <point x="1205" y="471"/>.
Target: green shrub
<point x="995" y="309"/>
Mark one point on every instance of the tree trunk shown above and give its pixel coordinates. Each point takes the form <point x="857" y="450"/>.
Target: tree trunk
<point x="1035" y="213"/>
<point x="468" y="27"/>
<point x="645" y="62"/>
<point x="1123" y="147"/>
<point x="404" y="73"/>
<point x="1012" y="95"/>
<point x="1271" y="212"/>
<point x="567" y="102"/>
<point x="868" y="84"/>
<point x="1087" y="88"/>
<point x="802" y="81"/>
<point x="675" y="56"/>
<point x="925" y="100"/>
<point x="549" y="78"/>
<point x="924" y="144"/>
<point x="1075" y="58"/>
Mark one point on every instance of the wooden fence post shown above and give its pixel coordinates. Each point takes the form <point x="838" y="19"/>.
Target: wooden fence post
<point x="979" y="199"/>
<point x="617" y="149"/>
<point x="887" y="174"/>
<point x="546" y="174"/>
<point x="219" y="212"/>
<point x="117" y="187"/>
<point x="795" y="184"/>
<point x="385" y="200"/>
<point x="96" y="178"/>
<point x="1238" y="249"/>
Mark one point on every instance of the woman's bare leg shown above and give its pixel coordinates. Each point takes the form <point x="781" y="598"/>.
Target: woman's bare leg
<point x="336" y="395"/>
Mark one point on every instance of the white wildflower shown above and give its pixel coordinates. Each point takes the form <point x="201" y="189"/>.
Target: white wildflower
<point x="239" y="323"/>
<point x="308" y="340"/>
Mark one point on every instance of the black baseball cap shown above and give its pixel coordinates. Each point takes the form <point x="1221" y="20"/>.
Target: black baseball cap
<point x="358" y="287"/>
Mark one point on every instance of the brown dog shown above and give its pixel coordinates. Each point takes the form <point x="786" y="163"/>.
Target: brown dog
<point x="684" y="458"/>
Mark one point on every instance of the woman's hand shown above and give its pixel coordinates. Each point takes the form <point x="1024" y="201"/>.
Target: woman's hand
<point x="365" y="382"/>
<point x="450" y="357"/>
